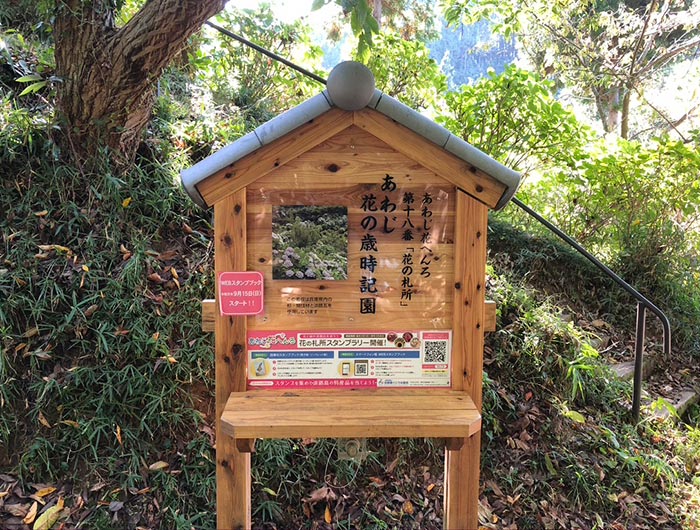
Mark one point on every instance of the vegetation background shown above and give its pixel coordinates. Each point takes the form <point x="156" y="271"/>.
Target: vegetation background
<point x="106" y="379"/>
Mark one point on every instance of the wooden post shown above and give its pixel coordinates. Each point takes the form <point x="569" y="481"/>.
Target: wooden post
<point x="233" y="510"/>
<point x="462" y="466"/>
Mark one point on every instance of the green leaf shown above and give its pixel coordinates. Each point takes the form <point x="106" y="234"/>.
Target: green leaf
<point x="575" y="416"/>
<point x="363" y="52"/>
<point x="355" y="23"/>
<point x="34" y="87"/>
<point x="47" y="519"/>
<point x="372" y="24"/>
<point x="549" y="465"/>
<point x="318" y="4"/>
<point x="29" y="78"/>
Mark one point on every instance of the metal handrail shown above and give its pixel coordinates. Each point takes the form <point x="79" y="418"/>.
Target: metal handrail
<point x="643" y="303"/>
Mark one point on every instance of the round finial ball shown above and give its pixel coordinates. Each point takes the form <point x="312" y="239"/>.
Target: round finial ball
<point x="350" y="85"/>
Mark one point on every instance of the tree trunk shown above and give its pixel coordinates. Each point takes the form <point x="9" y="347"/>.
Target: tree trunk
<point x="608" y="105"/>
<point x="377" y="11"/>
<point x="625" y="118"/>
<point x="108" y="74"/>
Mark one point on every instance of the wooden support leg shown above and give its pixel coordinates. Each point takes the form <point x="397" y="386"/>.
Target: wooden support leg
<point x="462" y="485"/>
<point x="462" y="466"/>
<point x="232" y="486"/>
<point x="233" y="511"/>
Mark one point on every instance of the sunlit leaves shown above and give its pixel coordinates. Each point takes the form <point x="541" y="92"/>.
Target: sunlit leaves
<point x="260" y="87"/>
<point x="404" y="69"/>
<point x="514" y="118"/>
<point x="36" y="81"/>
<point x="363" y="24"/>
<point x="605" y="52"/>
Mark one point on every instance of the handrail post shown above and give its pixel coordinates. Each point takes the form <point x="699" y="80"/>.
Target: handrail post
<point x="642" y="304"/>
<point x="638" y="360"/>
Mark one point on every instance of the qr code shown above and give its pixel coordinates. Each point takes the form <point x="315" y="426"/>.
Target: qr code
<point x="361" y="368"/>
<point x="435" y="351"/>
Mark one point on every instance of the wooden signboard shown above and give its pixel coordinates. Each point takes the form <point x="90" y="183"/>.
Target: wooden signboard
<point x="367" y="244"/>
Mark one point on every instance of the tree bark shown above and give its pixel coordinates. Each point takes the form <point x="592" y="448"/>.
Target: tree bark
<point x="625" y="119"/>
<point x="608" y="106"/>
<point x="108" y="74"/>
<point x="377" y="11"/>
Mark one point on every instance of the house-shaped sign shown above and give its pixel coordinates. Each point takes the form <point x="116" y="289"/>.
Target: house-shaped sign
<point x="365" y="223"/>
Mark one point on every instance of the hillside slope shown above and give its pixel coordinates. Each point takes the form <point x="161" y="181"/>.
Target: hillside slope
<point x="106" y="385"/>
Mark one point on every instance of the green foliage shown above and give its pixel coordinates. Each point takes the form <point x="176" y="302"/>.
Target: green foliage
<point x="635" y="206"/>
<point x="546" y="350"/>
<point x="238" y="75"/>
<point x="99" y="359"/>
<point x="640" y="207"/>
<point x="547" y="393"/>
<point x="26" y="63"/>
<point x="503" y="16"/>
<point x="515" y="118"/>
<point x="606" y="52"/>
<point x="103" y="370"/>
<point x="404" y="69"/>
<point x="28" y="16"/>
<point x="363" y="25"/>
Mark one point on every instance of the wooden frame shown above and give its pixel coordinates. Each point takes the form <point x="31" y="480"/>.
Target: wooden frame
<point x="237" y="408"/>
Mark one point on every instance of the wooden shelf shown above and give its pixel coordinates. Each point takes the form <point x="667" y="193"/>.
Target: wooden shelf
<point x="389" y="413"/>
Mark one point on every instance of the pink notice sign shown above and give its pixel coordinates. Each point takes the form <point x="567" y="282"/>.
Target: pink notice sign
<point x="241" y="293"/>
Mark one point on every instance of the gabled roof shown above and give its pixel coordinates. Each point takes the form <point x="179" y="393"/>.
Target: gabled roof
<point x="351" y="88"/>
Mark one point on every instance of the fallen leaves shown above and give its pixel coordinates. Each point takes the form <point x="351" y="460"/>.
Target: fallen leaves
<point x="31" y="514"/>
<point x="31" y="332"/>
<point x="43" y="420"/>
<point x="121" y="331"/>
<point x="90" y="311"/>
<point x="158" y="466"/>
<point x="57" y="248"/>
<point x="47" y="519"/>
<point x="155" y="278"/>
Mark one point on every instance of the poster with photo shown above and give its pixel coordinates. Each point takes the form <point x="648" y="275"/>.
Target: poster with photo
<point x="309" y="243"/>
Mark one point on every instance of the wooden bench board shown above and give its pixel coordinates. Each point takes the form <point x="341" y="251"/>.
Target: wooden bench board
<point x="395" y="413"/>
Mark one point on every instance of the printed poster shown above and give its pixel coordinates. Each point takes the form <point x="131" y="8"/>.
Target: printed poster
<point x="349" y="359"/>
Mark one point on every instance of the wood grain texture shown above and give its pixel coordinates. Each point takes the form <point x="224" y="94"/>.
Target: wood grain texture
<point x="331" y="162"/>
<point x="345" y="414"/>
<point x="489" y="316"/>
<point x="462" y="466"/>
<point x="208" y="315"/>
<point x="270" y="157"/>
<point x="232" y="466"/>
<point x="470" y="179"/>
<point x="317" y="185"/>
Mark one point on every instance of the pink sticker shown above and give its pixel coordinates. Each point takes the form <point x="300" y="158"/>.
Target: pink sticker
<point x="241" y="293"/>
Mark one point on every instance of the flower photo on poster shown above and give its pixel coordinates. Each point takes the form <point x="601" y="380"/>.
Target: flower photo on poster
<point x="309" y="243"/>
